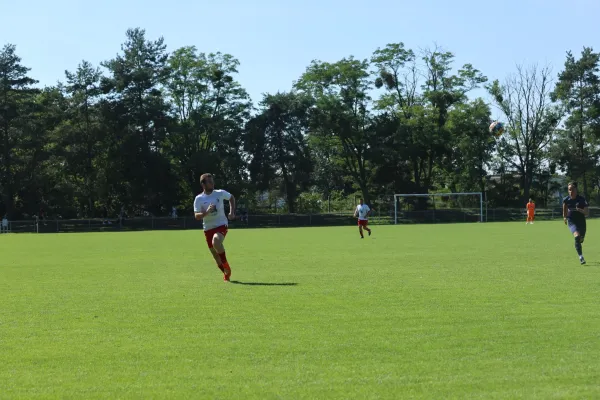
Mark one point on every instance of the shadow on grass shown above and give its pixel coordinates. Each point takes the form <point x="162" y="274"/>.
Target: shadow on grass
<point x="265" y="283"/>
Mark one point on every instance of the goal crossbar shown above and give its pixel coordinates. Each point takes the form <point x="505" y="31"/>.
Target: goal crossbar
<point x="397" y="196"/>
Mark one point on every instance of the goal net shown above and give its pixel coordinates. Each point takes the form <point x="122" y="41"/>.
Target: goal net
<point x="438" y="207"/>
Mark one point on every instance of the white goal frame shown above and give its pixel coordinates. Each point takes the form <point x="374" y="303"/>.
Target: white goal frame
<point x="398" y="196"/>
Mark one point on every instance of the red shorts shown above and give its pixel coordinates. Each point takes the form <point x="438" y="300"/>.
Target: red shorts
<point x="363" y="222"/>
<point x="209" y="234"/>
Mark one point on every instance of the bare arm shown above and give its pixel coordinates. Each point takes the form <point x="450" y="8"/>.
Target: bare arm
<point x="231" y="207"/>
<point x="201" y="215"/>
<point x="565" y="212"/>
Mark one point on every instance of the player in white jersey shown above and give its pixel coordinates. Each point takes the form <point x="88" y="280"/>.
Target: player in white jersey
<point x="209" y="207"/>
<point x="362" y="211"/>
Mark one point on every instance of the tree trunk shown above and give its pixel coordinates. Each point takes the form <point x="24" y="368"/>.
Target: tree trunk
<point x="429" y="170"/>
<point x="365" y="193"/>
<point x="528" y="179"/>
<point x="7" y="185"/>
<point x="482" y="179"/>
<point x="362" y="179"/>
<point x="416" y="173"/>
<point x="582" y="151"/>
<point x="291" y="200"/>
<point x="582" y="162"/>
<point x="290" y="192"/>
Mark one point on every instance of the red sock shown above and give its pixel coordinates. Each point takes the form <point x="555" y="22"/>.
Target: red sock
<point x="223" y="258"/>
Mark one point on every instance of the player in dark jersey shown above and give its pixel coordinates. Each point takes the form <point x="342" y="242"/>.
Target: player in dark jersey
<point x="575" y="210"/>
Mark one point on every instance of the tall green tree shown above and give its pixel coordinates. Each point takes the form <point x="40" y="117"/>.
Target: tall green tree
<point x="80" y="137"/>
<point x="277" y="139"/>
<point x="525" y="101"/>
<point x="473" y="146"/>
<point x="444" y="89"/>
<point x="342" y="113"/>
<point x="328" y="172"/>
<point x="396" y="71"/>
<point x="17" y="106"/>
<point x="578" y="90"/>
<point x="141" y="121"/>
<point x="44" y="182"/>
<point x="400" y="150"/>
<point x="211" y="108"/>
<point x="421" y="107"/>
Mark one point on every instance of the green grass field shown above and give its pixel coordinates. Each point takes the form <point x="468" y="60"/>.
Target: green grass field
<point x="428" y="311"/>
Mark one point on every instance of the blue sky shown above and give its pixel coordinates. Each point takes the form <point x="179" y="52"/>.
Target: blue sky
<point x="276" y="40"/>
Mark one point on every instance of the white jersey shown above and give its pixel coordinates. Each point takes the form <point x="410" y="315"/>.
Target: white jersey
<point x="362" y="210"/>
<point x="216" y="218"/>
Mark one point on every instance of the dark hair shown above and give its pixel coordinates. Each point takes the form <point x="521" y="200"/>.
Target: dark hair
<point x="572" y="184"/>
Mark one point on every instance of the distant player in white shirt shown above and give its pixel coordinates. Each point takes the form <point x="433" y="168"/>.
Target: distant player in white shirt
<point x="209" y="207"/>
<point x="4" y="227"/>
<point x="362" y="212"/>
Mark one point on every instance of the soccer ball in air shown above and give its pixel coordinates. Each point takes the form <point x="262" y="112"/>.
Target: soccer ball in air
<point x="497" y="128"/>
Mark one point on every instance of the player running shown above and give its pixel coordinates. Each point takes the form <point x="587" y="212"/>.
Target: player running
<point x="530" y="212"/>
<point x="209" y="207"/>
<point x="362" y="212"/>
<point x="575" y="210"/>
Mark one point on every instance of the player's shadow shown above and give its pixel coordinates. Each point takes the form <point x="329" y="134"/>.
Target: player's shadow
<point x="265" y="283"/>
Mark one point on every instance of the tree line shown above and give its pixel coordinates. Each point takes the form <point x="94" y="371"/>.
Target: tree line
<point x="139" y="129"/>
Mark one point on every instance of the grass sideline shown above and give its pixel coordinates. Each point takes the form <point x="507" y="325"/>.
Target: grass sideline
<point x="500" y="310"/>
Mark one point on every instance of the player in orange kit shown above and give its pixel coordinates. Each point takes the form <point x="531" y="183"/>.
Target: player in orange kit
<point x="530" y="212"/>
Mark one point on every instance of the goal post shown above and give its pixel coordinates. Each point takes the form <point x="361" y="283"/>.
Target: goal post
<point x="438" y="207"/>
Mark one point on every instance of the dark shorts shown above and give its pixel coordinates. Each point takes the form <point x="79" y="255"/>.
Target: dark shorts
<point x="577" y="226"/>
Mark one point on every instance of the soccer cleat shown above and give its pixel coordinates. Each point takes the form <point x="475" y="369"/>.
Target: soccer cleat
<point x="227" y="274"/>
<point x="581" y="260"/>
<point x="369" y="233"/>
